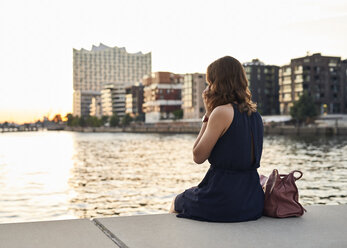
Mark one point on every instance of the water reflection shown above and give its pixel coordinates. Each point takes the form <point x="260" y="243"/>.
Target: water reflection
<point x="34" y="169"/>
<point x="57" y="175"/>
<point x="321" y="159"/>
<point x="139" y="173"/>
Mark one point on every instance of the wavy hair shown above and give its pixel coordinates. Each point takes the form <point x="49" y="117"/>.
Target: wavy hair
<point x="228" y="83"/>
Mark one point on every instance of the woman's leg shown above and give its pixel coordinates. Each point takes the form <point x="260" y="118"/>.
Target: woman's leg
<point x="172" y="208"/>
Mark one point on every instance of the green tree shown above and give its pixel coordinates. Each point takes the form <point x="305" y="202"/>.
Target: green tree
<point x="140" y="117"/>
<point x="72" y="121"/>
<point x="82" y="121"/>
<point x="126" y="120"/>
<point x="114" y="121"/>
<point x="104" y="119"/>
<point x="304" y="110"/>
<point x="69" y="118"/>
<point x="178" y="114"/>
<point x="75" y="122"/>
<point x="93" y="121"/>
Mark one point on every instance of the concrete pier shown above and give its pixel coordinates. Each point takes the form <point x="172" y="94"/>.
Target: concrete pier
<point x="320" y="226"/>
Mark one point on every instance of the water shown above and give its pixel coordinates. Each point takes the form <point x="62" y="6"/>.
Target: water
<point x="66" y="175"/>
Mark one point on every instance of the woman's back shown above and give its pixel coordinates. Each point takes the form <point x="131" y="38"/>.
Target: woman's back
<point x="234" y="150"/>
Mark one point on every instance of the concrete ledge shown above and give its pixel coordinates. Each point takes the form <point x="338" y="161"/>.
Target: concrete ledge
<point x="79" y="233"/>
<point x="321" y="226"/>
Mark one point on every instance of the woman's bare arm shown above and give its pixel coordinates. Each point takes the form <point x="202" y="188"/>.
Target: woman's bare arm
<point x="219" y="120"/>
<point x="202" y="130"/>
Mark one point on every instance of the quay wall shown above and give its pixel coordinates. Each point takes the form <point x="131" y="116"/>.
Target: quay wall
<point x="194" y="128"/>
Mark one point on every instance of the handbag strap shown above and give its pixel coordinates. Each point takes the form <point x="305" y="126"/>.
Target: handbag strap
<point x="296" y="178"/>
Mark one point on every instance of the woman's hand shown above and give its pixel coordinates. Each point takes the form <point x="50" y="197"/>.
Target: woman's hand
<point x="204" y="97"/>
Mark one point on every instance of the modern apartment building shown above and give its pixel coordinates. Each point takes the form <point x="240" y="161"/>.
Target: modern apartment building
<point x="192" y="102"/>
<point x="101" y="65"/>
<point x="113" y="97"/>
<point x="134" y="100"/>
<point x="322" y="78"/>
<point x="162" y="95"/>
<point x="95" y="107"/>
<point x="263" y="84"/>
<point x="82" y="101"/>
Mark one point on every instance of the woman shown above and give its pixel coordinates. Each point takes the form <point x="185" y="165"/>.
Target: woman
<point x="231" y="138"/>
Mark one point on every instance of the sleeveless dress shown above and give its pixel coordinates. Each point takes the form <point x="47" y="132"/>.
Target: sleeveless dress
<point x="230" y="190"/>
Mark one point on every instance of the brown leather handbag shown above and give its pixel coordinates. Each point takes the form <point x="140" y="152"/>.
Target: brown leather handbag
<point x="281" y="195"/>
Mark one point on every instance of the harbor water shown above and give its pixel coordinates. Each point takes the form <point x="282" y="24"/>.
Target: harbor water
<point x="50" y="175"/>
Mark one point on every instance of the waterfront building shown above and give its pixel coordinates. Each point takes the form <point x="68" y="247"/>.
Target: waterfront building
<point x="94" y="68"/>
<point x="134" y="100"/>
<point x="263" y="84"/>
<point x="192" y="102"/>
<point x="321" y="76"/>
<point x="82" y="101"/>
<point x="162" y="95"/>
<point x="95" y="107"/>
<point x="113" y="98"/>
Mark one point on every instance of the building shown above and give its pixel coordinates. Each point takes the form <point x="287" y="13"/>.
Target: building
<point x="95" y="107"/>
<point x="322" y="78"/>
<point x="113" y="97"/>
<point x="263" y="84"/>
<point x="94" y="68"/>
<point x="192" y="102"/>
<point x="162" y="95"/>
<point x="134" y="100"/>
<point x="82" y="101"/>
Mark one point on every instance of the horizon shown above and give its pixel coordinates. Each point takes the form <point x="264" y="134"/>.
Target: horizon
<point x="183" y="37"/>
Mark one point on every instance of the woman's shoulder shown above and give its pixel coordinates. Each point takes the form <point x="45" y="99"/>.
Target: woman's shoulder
<point x="225" y="109"/>
<point x="224" y="116"/>
<point x="223" y="113"/>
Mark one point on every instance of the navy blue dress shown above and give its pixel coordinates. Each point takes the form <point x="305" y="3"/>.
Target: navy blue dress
<point x="230" y="190"/>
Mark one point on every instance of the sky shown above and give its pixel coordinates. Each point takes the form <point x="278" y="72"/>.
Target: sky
<point x="37" y="38"/>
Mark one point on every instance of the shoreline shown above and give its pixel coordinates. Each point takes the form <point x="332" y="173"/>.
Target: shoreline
<point x="193" y="128"/>
<point x="170" y="129"/>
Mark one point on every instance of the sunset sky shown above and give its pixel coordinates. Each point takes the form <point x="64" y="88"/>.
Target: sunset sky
<point x="37" y="38"/>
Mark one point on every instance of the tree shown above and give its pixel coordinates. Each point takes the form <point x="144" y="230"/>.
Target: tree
<point x="140" y="117"/>
<point x="178" y="114"/>
<point x="93" y="121"/>
<point x="82" y="121"/>
<point x="104" y="119"/>
<point x="57" y="118"/>
<point x="114" y="121"/>
<point x="304" y="110"/>
<point x="126" y="120"/>
<point x="72" y="121"/>
<point x="75" y="121"/>
<point x="69" y="118"/>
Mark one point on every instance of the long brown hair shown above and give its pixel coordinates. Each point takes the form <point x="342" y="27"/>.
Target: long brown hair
<point x="227" y="84"/>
